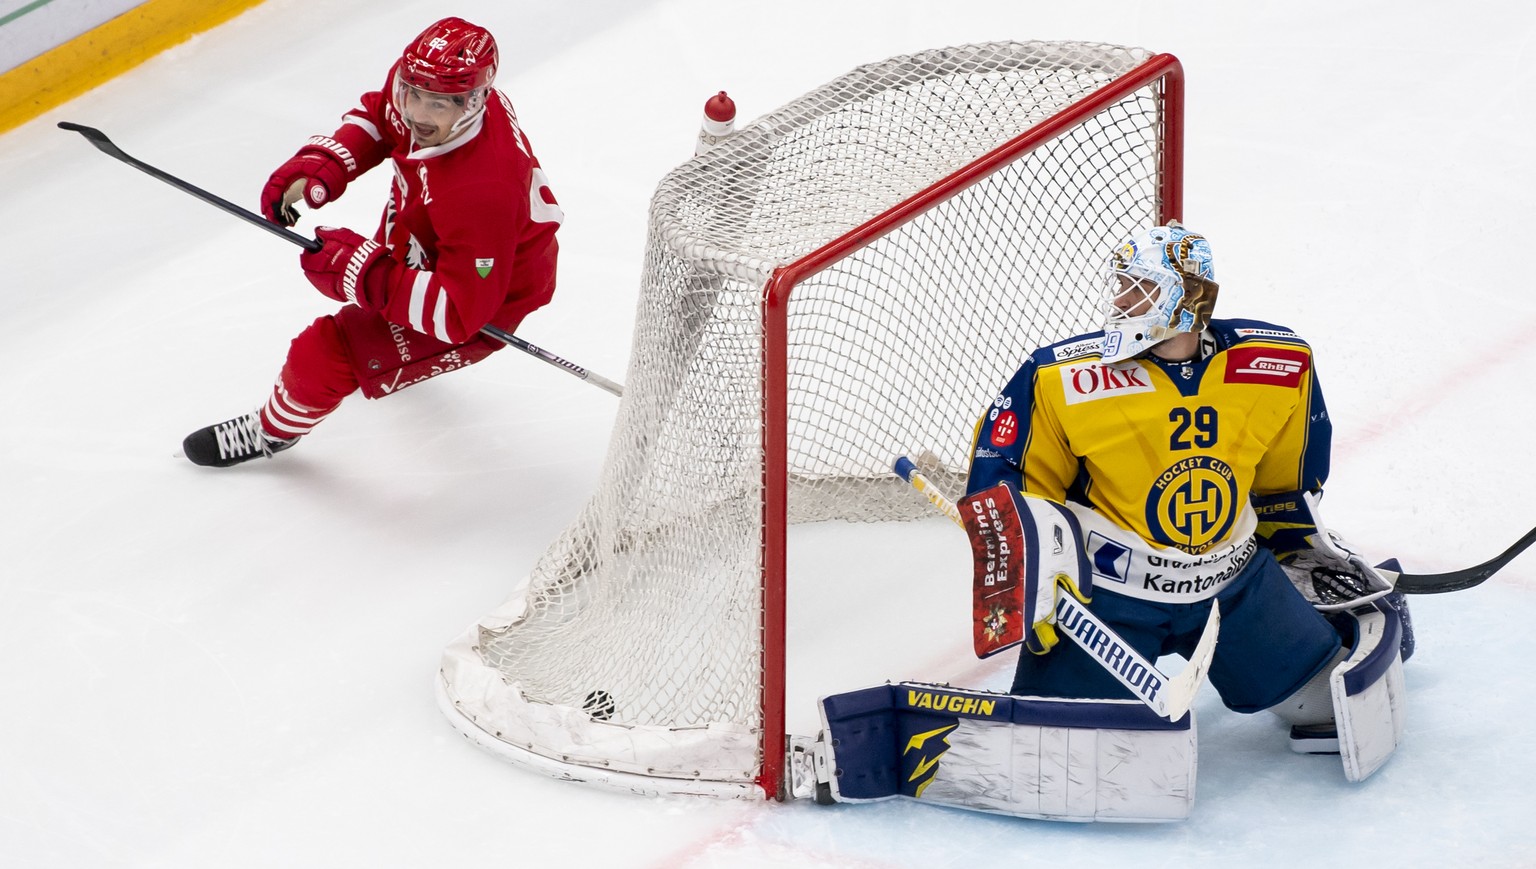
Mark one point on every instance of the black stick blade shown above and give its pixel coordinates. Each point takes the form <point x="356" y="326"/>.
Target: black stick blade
<point x="92" y="135"/>
<point x="106" y="146"/>
<point x="1457" y="580"/>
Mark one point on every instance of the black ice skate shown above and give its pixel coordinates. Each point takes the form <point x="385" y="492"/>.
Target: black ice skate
<point x="232" y="442"/>
<point x="1315" y="738"/>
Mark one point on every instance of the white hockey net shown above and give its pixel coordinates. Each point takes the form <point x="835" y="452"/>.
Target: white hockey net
<point x="634" y="653"/>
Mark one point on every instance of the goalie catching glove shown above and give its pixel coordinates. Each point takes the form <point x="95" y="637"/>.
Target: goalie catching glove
<point x="1323" y="567"/>
<point x="1025" y="550"/>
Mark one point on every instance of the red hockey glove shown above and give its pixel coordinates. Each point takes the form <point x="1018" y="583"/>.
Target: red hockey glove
<point x="314" y="173"/>
<point x="345" y="264"/>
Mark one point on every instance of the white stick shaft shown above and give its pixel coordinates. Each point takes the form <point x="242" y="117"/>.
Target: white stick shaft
<point x="537" y="352"/>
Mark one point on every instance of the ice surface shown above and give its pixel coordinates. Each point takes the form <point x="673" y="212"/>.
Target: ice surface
<point x="234" y="669"/>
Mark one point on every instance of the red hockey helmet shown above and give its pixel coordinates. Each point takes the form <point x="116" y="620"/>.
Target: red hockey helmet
<point x="450" y="57"/>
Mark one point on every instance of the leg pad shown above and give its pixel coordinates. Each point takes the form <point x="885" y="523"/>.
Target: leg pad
<point x="1072" y="760"/>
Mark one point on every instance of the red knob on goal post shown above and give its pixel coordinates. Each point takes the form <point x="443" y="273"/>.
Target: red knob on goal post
<point x="718" y="124"/>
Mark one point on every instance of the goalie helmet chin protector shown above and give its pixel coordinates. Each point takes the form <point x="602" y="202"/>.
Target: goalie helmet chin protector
<point x="450" y="58"/>
<point x="1160" y="282"/>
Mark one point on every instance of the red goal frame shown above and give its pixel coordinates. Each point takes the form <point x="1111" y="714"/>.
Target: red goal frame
<point x="1163" y="69"/>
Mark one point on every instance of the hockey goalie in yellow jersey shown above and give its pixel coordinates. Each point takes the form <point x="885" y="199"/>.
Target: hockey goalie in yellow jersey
<point x="1184" y="458"/>
<point x="1191" y="451"/>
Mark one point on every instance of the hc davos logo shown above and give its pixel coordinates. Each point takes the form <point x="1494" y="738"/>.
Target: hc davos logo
<point x="1192" y="504"/>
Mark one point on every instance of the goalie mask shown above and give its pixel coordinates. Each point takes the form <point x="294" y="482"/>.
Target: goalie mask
<point x="443" y="80"/>
<point x="1159" y="284"/>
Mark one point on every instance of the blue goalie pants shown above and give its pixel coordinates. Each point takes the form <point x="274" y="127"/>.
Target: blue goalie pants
<point x="1272" y="642"/>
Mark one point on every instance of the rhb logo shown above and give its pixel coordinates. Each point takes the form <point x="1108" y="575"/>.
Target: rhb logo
<point x="1095" y="380"/>
<point x="1276" y="366"/>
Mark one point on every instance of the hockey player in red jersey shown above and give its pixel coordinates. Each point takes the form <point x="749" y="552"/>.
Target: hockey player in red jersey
<point x="467" y="239"/>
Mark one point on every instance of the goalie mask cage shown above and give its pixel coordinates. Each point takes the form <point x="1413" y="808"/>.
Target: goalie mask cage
<point x="848" y="279"/>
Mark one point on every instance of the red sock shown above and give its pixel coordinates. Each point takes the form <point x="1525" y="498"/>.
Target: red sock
<point x="284" y="418"/>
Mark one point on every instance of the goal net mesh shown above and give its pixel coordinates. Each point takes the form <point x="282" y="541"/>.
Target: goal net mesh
<point x="635" y="644"/>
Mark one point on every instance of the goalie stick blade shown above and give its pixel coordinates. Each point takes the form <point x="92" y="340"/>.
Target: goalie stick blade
<point x="1457" y="580"/>
<point x="1183" y="687"/>
<point x="1169" y="697"/>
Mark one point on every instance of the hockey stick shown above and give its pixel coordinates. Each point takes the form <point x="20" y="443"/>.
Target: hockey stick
<point x="1168" y="697"/>
<point x="534" y="350"/>
<point x="106" y="146"/>
<point x="1456" y="580"/>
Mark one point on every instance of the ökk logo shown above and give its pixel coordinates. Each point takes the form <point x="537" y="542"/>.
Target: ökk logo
<point x="1092" y="381"/>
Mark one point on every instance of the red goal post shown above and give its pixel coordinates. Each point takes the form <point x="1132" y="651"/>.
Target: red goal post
<point x="1163" y="70"/>
<point x="848" y="278"/>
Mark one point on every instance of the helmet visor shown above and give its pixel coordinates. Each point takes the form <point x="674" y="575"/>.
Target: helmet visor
<point x="434" y="118"/>
<point x="418" y="105"/>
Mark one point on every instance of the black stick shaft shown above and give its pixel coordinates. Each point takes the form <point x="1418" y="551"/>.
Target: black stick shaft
<point x="106" y="146"/>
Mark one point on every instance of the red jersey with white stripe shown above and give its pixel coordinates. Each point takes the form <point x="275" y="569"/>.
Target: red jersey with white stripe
<point x="470" y="223"/>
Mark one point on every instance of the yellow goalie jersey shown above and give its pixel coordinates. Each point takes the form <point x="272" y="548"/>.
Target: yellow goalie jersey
<point x="1171" y="452"/>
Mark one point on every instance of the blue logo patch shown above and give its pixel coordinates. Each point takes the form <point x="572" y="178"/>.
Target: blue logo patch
<point x="1110" y="560"/>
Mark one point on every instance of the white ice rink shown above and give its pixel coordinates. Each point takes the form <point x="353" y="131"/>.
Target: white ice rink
<point x="234" y="669"/>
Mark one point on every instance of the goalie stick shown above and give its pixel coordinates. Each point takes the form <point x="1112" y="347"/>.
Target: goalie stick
<point x="1172" y="696"/>
<point x="1456" y="580"/>
<point x="108" y="147"/>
